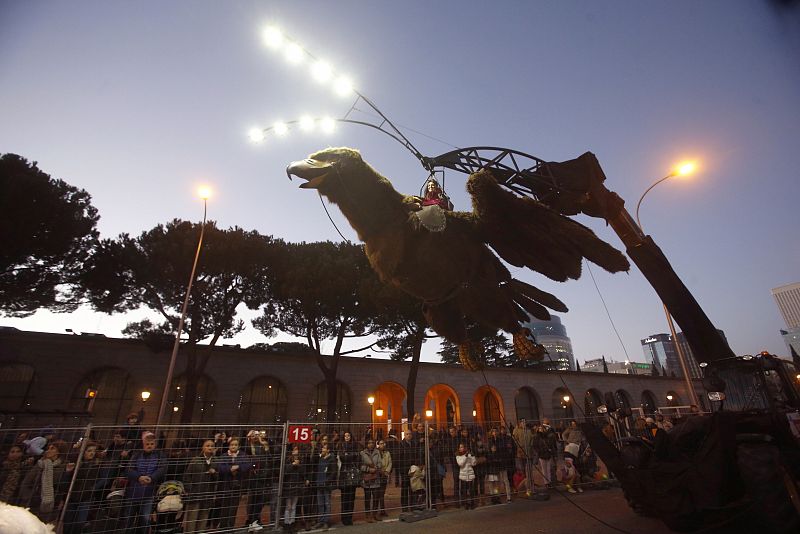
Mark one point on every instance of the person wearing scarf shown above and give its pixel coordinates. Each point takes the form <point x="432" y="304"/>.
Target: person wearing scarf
<point x="41" y="485"/>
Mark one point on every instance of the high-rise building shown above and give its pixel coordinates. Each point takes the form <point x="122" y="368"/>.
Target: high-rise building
<point x="661" y="351"/>
<point x="553" y="335"/>
<point x="788" y="300"/>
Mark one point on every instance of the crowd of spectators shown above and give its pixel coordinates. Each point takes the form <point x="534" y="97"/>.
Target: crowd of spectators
<point x="132" y="483"/>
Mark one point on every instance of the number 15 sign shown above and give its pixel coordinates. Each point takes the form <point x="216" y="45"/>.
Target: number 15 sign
<point x="300" y="434"/>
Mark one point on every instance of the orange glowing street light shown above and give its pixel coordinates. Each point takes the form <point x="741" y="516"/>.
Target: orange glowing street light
<point x="204" y="192"/>
<point x="683" y="169"/>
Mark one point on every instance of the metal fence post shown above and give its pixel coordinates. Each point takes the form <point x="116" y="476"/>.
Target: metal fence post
<point x="84" y="442"/>
<point x="428" y="470"/>
<point x="284" y="443"/>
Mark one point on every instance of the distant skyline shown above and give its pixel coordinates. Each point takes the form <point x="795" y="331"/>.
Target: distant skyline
<point x="138" y="103"/>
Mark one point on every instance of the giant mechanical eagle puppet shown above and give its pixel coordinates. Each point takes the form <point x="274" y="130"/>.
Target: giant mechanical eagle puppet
<point x="443" y="257"/>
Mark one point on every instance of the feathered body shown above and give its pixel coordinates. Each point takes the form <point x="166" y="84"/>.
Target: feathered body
<point x="454" y="272"/>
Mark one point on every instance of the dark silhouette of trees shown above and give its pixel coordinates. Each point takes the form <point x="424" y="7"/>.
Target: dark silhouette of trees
<point x="323" y="291"/>
<point x="235" y="267"/>
<point x="47" y="233"/>
<point x="496" y="350"/>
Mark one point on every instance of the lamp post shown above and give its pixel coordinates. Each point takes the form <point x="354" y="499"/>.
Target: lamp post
<point x="204" y="193"/>
<point x="683" y="170"/>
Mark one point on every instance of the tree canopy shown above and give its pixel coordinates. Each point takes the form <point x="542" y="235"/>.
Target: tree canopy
<point x="323" y="291"/>
<point x="48" y="232"/>
<point x="235" y="267"/>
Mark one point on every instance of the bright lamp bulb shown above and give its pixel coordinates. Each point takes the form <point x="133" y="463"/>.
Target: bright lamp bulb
<point x="321" y="71"/>
<point x="203" y="192"/>
<point x="328" y="125"/>
<point x="686" y="168"/>
<point x="294" y="53"/>
<point x="280" y="128"/>
<point x="273" y="37"/>
<point x="306" y="123"/>
<point x="343" y="86"/>
<point x="256" y="134"/>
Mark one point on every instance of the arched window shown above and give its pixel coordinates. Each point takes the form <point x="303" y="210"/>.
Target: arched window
<point x="204" y="400"/>
<point x="562" y="404"/>
<point x="16" y="382"/>
<point x="113" y="399"/>
<point x="263" y="401"/>
<point x="649" y="405"/>
<point x="592" y="400"/>
<point x="318" y="410"/>
<point x="623" y="399"/>
<point x="526" y="405"/>
<point x="673" y="399"/>
<point x="488" y="406"/>
<point x="444" y="402"/>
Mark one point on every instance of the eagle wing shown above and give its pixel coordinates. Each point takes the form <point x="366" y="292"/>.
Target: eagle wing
<point x="526" y="233"/>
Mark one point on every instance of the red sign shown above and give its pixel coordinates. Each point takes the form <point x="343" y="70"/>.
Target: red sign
<point x="300" y="434"/>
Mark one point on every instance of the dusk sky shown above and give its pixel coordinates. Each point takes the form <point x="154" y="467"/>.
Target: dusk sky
<point x="140" y="102"/>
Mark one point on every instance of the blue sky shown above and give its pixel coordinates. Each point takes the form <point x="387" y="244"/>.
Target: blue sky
<point x="138" y="102"/>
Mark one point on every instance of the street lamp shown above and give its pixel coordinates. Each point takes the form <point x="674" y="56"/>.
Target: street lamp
<point x="371" y="400"/>
<point x="145" y="395"/>
<point x="428" y="413"/>
<point x="205" y="193"/>
<point x="683" y="169"/>
<point x="566" y="398"/>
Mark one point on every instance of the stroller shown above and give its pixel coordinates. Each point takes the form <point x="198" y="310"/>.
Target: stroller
<point x="169" y="508"/>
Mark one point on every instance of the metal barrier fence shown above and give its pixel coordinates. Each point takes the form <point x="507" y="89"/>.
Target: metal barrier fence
<point x="218" y="478"/>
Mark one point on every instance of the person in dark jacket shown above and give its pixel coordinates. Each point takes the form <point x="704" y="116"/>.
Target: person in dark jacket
<point x="545" y="443"/>
<point x="408" y="454"/>
<point x="349" y="475"/>
<point x="295" y="481"/>
<point x="504" y="456"/>
<point x="146" y="470"/>
<point x="86" y="491"/>
<point x="200" y="483"/>
<point x="325" y="473"/>
<point x="234" y="467"/>
<point x="12" y="473"/>
<point x="262" y="485"/>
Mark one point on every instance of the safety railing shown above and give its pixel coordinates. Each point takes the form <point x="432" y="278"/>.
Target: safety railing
<point x="218" y="478"/>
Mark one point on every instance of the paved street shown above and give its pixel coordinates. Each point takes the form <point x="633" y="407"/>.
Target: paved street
<point x="556" y="516"/>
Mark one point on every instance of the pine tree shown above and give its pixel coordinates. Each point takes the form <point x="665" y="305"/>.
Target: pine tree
<point x="605" y="365"/>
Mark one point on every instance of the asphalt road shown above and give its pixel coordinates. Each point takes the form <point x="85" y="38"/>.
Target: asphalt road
<point x="556" y="516"/>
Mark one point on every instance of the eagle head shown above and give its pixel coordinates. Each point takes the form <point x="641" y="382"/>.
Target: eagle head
<point x="321" y="169"/>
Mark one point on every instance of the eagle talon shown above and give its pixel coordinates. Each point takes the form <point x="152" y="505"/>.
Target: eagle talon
<point x="469" y="352"/>
<point x="525" y="349"/>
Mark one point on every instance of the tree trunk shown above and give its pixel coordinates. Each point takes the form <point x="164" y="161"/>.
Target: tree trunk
<point x="331" y="416"/>
<point x="195" y="368"/>
<point x="411" y="383"/>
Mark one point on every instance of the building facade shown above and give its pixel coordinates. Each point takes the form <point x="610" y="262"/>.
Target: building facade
<point x="44" y="379"/>
<point x="552" y="335"/>
<point x="623" y="368"/>
<point x="660" y="351"/>
<point x="788" y="300"/>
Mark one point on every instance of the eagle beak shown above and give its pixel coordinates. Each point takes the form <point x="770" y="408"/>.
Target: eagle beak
<point x="312" y="170"/>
